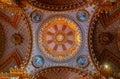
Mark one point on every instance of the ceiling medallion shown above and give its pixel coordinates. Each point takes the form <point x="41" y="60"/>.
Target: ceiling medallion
<point x="105" y="38"/>
<point x="17" y="39"/>
<point x="36" y="16"/>
<point x="82" y="15"/>
<point x="60" y="38"/>
<point x="37" y="61"/>
<point x="82" y="61"/>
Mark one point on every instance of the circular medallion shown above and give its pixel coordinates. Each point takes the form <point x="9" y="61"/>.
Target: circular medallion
<point x="82" y="15"/>
<point x="36" y="16"/>
<point x="82" y="61"/>
<point x="37" y="61"/>
<point x="60" y="38"/>
<point x="17" y="39"/>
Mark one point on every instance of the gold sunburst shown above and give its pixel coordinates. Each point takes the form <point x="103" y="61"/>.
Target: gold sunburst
<point x="60" y="38"/>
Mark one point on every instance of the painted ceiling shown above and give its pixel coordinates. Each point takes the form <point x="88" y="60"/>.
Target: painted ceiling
<point x="60" y="39"/>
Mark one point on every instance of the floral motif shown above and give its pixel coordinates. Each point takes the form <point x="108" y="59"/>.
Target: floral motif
<point x="60" y="39"/>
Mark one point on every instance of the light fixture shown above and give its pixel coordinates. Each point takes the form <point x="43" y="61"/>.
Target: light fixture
<point x="106" y="66"/>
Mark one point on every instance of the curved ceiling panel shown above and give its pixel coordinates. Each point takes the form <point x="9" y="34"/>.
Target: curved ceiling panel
<point x="58" y="5"/>
<point x="104" y="39"/>
<point x="60" y="72"/>
<point x="18" y="38"/>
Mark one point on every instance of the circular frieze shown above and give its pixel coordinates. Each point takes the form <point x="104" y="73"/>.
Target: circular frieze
<point x="37" y="61"/>
<point x="60" y="38"/>
<point x="36" y="16"/>
<point x="82" y="61"/>
<point x="82" y="15"/>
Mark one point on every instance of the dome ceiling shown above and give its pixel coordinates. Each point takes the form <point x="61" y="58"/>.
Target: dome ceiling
<point x="58" y="5"/>
<point x="59" y="39"/>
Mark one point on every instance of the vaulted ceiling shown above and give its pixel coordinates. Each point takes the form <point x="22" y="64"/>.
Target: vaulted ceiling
<point x="61" y="38"/>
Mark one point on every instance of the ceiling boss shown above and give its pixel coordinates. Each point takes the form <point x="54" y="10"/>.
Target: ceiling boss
<point x="60" y="38"/>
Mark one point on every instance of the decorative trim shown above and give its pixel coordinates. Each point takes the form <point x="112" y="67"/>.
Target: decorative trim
<point x="58" y="17"/>
<point x="28" y="26"/>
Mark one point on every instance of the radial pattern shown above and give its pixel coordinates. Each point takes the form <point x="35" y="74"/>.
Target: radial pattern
<point x="61" y="38"/>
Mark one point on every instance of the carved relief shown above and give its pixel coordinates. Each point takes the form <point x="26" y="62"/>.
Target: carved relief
<point x="105" y="38"/>
<point x="17" y="39"/>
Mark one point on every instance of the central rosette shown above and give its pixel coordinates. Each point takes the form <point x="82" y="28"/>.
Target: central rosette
<point x="59" y="39"/>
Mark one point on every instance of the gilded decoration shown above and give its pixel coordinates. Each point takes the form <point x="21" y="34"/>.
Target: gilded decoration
<point x="18" y="38"/>
<point x="59" y="38"/>
<point x="104" y="38"/>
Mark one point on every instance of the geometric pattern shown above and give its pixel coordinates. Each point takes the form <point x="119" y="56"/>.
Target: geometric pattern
<point x="60" y="39"/>
<point x="102" y="39"/>
<point x="18" y="39"/>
